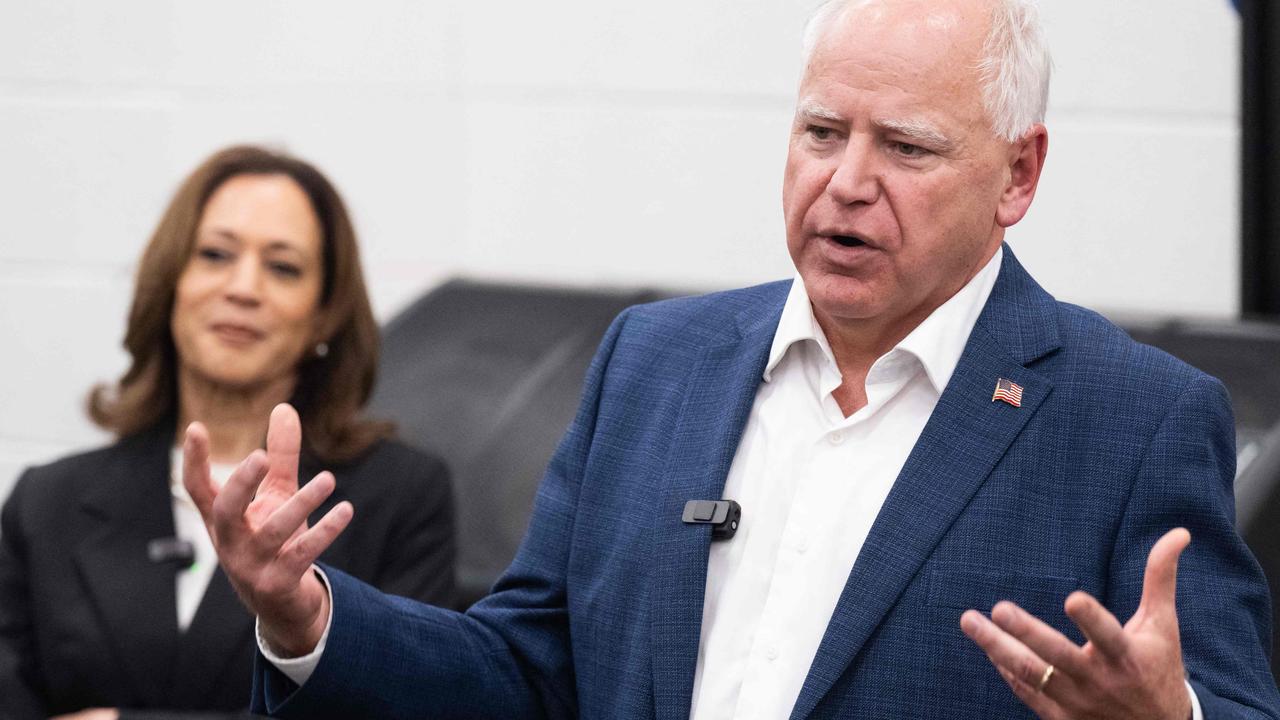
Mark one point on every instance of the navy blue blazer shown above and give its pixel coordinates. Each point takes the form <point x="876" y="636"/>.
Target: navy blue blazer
<point x="599" y="615"/>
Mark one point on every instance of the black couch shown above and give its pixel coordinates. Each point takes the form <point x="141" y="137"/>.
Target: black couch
<point x="488" y="377"/>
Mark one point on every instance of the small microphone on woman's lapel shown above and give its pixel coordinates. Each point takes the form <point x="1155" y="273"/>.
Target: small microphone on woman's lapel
<point x="172" y="551"/>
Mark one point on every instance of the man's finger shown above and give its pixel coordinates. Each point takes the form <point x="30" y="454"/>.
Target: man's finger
<point x="1160" y="582"/>
<point x="284" y="443"/>
<point x="1005" y="650"/>
<point x="234" y="498"/>
<point x="195" y="470"/>
<point x="1097" y="623"/>
<point x="298" y="556"/>
<point x="292" y="515"/>
<point x="1043" y="640"/>
<point x="1039" y="702"/>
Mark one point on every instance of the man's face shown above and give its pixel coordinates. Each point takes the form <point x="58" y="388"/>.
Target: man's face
<point x="893" y="174"/>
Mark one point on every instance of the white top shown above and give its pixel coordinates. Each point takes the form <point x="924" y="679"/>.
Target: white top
<point x="187" y="525"/>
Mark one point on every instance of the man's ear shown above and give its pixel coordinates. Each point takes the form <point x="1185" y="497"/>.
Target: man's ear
<point x="1026" y="161"/>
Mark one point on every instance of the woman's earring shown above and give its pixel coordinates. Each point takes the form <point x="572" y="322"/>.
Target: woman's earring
<point x="322" y="349"/>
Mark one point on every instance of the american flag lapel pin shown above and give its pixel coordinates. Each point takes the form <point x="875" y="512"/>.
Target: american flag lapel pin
<point x="1008" y="391"/>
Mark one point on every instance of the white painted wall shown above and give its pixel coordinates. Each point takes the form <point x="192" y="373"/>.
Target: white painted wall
<point x="579" y="141"/>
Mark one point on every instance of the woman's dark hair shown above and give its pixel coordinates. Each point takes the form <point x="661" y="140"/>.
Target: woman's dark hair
<point x="330" y="391"/>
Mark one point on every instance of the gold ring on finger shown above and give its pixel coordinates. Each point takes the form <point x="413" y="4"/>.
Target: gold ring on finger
<point x="1044" y="678"/>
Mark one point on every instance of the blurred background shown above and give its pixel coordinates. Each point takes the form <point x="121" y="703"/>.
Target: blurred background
<point x="587" y="143"/>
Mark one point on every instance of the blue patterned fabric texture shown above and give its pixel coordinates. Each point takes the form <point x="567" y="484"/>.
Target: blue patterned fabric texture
<point x="599" y="615"/>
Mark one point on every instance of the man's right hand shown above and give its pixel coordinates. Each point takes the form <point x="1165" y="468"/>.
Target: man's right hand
<point x="258" y="523"/>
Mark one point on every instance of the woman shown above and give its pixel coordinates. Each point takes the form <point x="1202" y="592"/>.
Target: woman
<point x="248" y="295"/>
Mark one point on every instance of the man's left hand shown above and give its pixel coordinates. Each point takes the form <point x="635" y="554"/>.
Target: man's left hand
<point x="1129" y="671"/>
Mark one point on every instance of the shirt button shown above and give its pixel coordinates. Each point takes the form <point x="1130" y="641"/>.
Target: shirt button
<point x="771" y="653"/>
<point x="802" y="544"/>
<point x="835" y="438"/>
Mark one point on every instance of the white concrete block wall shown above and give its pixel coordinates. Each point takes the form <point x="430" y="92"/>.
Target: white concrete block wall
<point x="581" y="141"/>
<point x="1139" y="207"/>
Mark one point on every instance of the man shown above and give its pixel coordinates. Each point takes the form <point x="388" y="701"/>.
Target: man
<point x="914" y="429"/>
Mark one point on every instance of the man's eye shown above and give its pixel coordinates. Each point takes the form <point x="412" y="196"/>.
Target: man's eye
<point x="818" y="132"/>
<point x="909" y="150"/>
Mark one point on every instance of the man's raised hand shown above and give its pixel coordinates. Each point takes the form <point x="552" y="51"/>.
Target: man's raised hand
<point x="1129" y="671"/>
<point x="258" y="523"/>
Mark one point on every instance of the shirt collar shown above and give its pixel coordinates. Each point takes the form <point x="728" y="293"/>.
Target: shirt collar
<point x="937" y="342"/>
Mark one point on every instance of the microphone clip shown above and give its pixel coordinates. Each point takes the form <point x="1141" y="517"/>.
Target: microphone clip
<point x="171" y="551"/>
<point x="722" y="515"/>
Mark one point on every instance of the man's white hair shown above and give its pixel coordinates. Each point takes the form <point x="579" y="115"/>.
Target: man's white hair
<point x="1014" y="68"/>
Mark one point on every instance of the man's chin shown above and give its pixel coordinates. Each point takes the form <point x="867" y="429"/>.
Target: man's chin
<point x="839" y="296"/>
<point x="846" y="310"/>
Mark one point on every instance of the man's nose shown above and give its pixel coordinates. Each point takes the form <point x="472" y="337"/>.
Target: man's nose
<point x="855" y="179"/>
<point x="243" y="284"/>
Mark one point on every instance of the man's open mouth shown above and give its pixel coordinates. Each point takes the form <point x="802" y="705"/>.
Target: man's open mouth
<point x="848" y="240"/>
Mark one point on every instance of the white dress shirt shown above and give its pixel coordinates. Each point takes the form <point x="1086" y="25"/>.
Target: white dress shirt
<point x="812" y="482"/>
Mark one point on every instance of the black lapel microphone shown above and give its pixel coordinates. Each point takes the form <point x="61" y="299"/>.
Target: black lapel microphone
<point x="722" y="515"/>
<point x="172" y="551"/>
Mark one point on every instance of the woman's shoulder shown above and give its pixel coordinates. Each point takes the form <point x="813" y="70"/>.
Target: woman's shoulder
<point x="52" y="484"/>
<point x="396" y="463"/>
<point x="84" y="463"/>
<point x="392" y="481"/>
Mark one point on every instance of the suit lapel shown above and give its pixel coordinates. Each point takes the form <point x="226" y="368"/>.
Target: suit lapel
<point x="721" y="390"/>
<point x="965" y="437"/>
<point x="135" y="598"/>
<point x="220" y="631"/>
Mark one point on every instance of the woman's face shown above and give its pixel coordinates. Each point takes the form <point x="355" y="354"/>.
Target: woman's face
<point x="247" y="305"/>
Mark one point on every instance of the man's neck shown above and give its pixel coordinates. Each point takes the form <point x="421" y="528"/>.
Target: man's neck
<point x="856" y="343"/>
<point x="856" y="347"/>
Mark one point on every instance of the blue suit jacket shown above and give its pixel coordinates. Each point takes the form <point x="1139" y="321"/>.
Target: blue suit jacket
<point x="599" y="614"/>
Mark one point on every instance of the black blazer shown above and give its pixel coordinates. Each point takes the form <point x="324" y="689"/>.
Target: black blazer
<point x="86" y="620"/>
